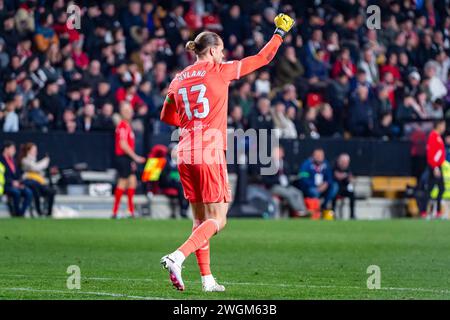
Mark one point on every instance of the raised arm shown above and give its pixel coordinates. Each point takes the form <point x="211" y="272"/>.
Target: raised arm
<point x="233" y="70"/>
<point x="263" y="57"/>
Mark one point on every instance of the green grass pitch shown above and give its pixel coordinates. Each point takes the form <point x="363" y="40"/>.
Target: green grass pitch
<point x="254" y="259"/>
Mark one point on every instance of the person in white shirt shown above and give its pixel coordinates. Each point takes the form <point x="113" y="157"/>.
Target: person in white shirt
<point x="435" y="86"/>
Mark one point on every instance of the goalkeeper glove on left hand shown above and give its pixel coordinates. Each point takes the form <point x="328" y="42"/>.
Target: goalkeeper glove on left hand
<point x="283" y="24"/>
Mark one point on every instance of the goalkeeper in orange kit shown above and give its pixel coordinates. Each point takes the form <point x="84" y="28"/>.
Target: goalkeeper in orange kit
<point x="197" y="102"/>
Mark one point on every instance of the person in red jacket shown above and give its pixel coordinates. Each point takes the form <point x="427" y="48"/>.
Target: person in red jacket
<point x="432" y="175"/>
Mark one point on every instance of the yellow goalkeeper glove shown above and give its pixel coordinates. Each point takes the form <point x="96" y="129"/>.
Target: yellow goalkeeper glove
<point x="283" y="24"/>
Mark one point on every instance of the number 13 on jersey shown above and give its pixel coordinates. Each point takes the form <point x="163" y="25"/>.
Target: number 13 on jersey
<point x="200" y="99"/>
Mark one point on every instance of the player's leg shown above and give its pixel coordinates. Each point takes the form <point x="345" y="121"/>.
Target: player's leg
<point x="123" y="171"/>
<point x="441" y="189"/>
<point x="202" y="254"/>
<point x="132" y="183"/>
<point x="218" y="212"/>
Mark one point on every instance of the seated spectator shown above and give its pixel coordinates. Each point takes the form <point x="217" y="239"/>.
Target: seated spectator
<point x="68" y="122"/>
<point x="262" y="83"/>
<point x="4" y="56"/>
<point x="281" y="121"/>
<point x="442" y="65"/>
<point x="87" y="120"/>
<point x="344" y="179"/>
<point x="244" y="98"/>
<point x="74" y="99"/>
<point x="45" y="35"/>
<point x="235" y="120"/>
<point x="34" y="177"/>
<point x="146" y="93"/>
<point x="385" y="128"/>
<point x="391" y="67"/>
<point x="103" y="94"/>
<point x="316" y="179"/>
<point x="343" y="64"/>
<point x="317" y="69"/>
<point x="307" y="128"/>
<point x="280" y="186"/>
<point x="289" y="97"/>
<point x="435" y="86"/>
<point x="384" y="103"/>
<point x="362" y="113"/>
<point x="51" y="102"/>
<point x="412" y="85"/>
<point x="369" y="65"/>
<point x="104" y="121"/>
<point x="37" y="119"/>
<point x="261" y="117"/>
<point x="14" y="187"/>
<point x="338" y="92"/>
<point x="326" y="123"/>
<point x="288" y="68"/>
<point x="129" y="93"/>
<point x="11" y="119"/>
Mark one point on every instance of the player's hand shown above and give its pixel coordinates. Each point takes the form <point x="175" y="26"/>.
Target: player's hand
<point x="139" y="159"/>
<point x="283" y="24"/>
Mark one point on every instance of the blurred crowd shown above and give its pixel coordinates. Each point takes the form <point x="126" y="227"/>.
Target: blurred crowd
<point x="333" y="77"/>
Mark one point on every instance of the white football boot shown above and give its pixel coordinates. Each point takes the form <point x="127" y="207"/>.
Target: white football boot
<point x="170" y="263"/>
<point x="209" y="284"/>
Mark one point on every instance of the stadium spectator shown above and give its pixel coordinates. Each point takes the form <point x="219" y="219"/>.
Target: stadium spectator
<point x="87" y="121"/>
<point x="326" y="122"/>
<point x="282" y="122"/>
<point x="37" y="119"/>
<point x="316" y="179"/>
<point x="362" y="113"/>
<point x="261" y="117"/>
<point x="369" y="66"/>
<point x="343" y="64"/>
<point x="45" y="34"/>
<point x="307" y="127"/>
<point x="345" y="181"/>
<point x="280" y="186"/>
<point x="34" y="177"/>
<point x="235" y="120"/>
<point x="288" y="68"/>
<point x="14" y="187"/>
<point x="11" y="119"/>
<point x="262" y="83"/>
<point x="435" y="86"/>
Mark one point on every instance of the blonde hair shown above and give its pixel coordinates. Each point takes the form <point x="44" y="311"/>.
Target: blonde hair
<point x="202" y="42"/>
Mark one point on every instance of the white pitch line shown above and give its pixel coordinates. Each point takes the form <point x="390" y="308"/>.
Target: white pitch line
<point x="92" y="293"/>
<point x="282" y="285"/>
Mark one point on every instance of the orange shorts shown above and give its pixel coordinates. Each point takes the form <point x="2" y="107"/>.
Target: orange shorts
<point x="204" y="181"/>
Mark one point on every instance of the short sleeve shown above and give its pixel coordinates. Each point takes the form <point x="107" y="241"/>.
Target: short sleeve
<point x="230" y="70"/>
<point x="122" y="132"/>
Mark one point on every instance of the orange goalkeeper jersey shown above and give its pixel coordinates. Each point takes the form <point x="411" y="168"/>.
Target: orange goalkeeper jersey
<point x="197" y="99"/>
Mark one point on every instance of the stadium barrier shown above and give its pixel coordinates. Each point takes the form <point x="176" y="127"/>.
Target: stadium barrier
<point x="96" y="149"/>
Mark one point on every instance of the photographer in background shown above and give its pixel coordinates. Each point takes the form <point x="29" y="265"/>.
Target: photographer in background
<point x="34" y="176"/>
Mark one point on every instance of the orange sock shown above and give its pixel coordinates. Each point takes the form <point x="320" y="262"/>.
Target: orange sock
<point x="199" y="237"/>
<point x="202" y="254"/>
